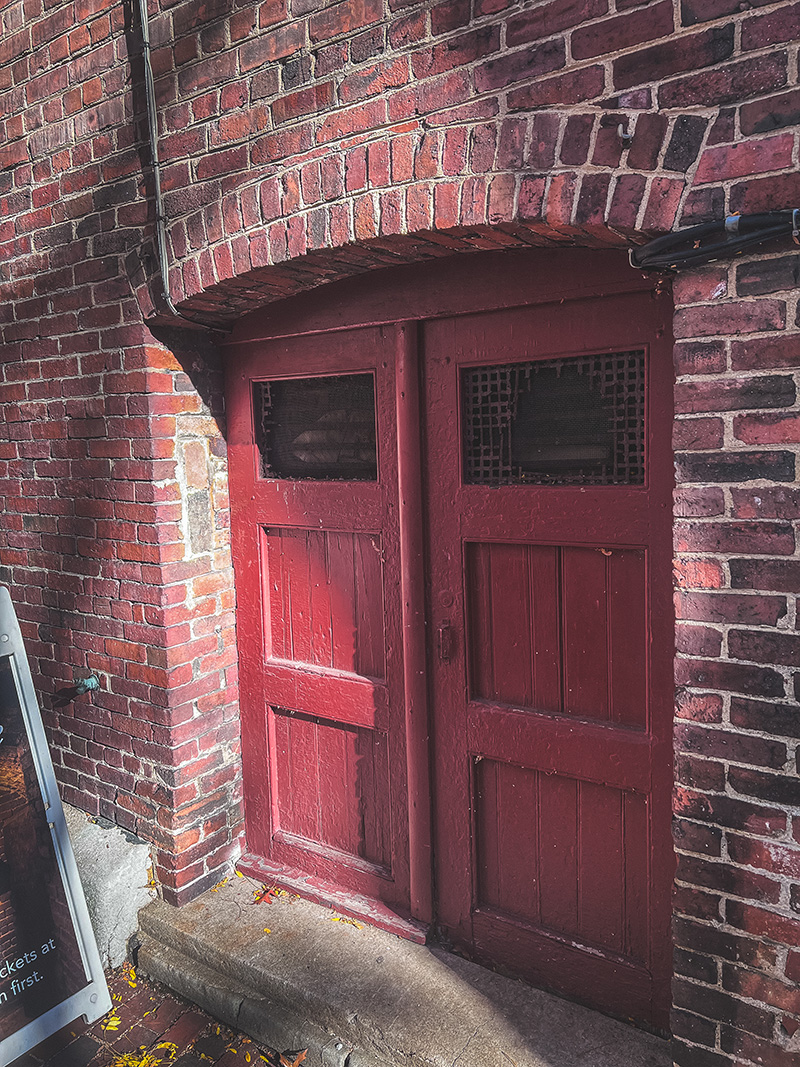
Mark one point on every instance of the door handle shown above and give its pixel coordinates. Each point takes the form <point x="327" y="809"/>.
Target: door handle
<point x="445" y="641"/>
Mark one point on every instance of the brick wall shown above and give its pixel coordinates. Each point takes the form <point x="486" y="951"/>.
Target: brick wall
<point x="306" y="141"/>
<point x="737" y="828"/>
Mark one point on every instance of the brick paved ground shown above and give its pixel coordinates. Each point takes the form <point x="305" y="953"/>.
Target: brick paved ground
<point x="148" y="1027"/>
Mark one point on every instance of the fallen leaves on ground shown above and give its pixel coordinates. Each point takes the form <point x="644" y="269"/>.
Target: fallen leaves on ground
<point x="159" y="1054"/>
<point x="264" y="892"/>
<point x="346" y="919"/>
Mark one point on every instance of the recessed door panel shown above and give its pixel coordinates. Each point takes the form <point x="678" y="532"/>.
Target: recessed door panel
<point x="564" y="855"/>
<point x="559" y="629"/>
<point x="333" y="787"/>
<point x="323" y="599"/>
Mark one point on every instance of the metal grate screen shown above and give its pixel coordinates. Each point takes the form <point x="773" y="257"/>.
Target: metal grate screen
<point x="572" y="421"/>
<point x="317" y="428"/>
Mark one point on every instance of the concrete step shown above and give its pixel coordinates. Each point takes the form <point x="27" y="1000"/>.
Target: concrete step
<point x="291" y="976"/>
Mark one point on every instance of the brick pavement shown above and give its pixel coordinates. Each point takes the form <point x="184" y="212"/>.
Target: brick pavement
<point x="150" y="1027"/>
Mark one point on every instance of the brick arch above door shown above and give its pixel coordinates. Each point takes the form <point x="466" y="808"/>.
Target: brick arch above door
<point x="284" y="251"/>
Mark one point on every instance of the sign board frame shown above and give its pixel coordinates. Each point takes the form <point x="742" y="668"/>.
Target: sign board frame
<point x="92" y="1000"/>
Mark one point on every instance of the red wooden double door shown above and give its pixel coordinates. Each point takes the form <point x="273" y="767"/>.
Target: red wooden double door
<point x="451" y="498"/>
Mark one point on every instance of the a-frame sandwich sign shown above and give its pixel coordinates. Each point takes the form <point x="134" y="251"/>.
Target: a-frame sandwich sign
<point x="50" y="970"/>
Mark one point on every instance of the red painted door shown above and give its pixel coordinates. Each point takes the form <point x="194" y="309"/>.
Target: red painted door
<point x="313" y="466"/>
<point x="549" y="511"/>
<point x="452" y="541"/>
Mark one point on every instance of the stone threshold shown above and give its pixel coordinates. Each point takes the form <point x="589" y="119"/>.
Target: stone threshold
<point x="293" y="974"/>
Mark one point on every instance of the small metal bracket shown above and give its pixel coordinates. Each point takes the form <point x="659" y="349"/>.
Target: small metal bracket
<point x="87" y="685"/>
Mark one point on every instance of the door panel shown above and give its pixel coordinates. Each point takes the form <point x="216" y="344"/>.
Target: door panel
<point x="324" y="599"/>
<point x="549" y="504"/>
<point x="313" y="467"/>
<point x="558" y="628"/>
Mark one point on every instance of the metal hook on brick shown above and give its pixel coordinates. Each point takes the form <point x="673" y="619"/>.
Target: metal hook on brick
<point x="625" y="136"/>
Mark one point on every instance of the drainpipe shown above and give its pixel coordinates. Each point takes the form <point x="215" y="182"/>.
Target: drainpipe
<point x="152" y="124"/>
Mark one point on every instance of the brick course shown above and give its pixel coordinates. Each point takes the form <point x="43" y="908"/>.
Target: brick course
<point x="307" y="141"/>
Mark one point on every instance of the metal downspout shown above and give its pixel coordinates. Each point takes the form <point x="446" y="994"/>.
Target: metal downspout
<point x="152" y="123"/>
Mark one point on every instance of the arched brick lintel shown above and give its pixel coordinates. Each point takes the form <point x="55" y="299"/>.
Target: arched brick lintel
<point x="278" y="257"/>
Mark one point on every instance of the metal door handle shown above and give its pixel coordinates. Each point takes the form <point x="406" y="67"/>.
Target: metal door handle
<point x="445" y="635"/>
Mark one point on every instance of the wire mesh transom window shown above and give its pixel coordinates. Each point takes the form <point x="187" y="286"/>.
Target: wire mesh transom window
<point x="317" y="428"/>
<point x="572" y="421"/>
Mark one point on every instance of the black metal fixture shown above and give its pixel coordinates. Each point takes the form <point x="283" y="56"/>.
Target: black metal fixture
<point x="715" y="240"/>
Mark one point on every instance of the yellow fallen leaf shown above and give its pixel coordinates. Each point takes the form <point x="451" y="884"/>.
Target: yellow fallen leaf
<point x="345" y="919"/>
<point x="267" y="930"/>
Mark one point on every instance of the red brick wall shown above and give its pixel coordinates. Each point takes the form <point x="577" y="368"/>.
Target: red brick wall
<point x="316" y="140"/>
<point x="737" y="828"/>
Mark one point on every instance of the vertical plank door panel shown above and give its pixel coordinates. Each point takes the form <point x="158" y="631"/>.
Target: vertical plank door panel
<point x="584" y="592"/>
<point x="545" y="598"/>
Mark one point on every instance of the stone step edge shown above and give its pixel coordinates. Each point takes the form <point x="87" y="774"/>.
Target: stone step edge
<point x="261" y="1018"/>
<point x="161" y="923"/>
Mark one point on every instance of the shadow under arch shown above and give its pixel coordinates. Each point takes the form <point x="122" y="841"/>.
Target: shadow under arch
<point x="220" y="305"/>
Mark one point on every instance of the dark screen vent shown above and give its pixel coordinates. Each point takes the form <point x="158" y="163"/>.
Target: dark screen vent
<point x="317" y="428"/>
<point x="572" y="421"/>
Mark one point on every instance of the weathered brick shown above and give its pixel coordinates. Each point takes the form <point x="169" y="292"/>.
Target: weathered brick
<point x="456" y="52"/>
<point x="571" y="88"/>
<point x="760" y="31"/>
<point x="718" y="1005"/>
<point x="734" y="161"/>
<point x="727" y="85"/>
<point x="735" y="466"/>
<point x="771" y="113"/>
<point x="767" y="502"/>
<point x="551" y="18"/>
<point x="614" y="34"/>
<point x="769" y="391"/>
<point x="767" y="429"/>
<point x="731" y="677"/>
<point x="728" y="879"/>
<point x="765" y="717"/>
<point x="343" y="18"/>
<point x="648" y="140"/>
<point x="763" y="194"/>
<point x="681" y="54"/>
<point x="725" y="607"/>
<point x="684" y="145"/>
<point x="520" y="66"/>
<point x="751" y="317"/>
